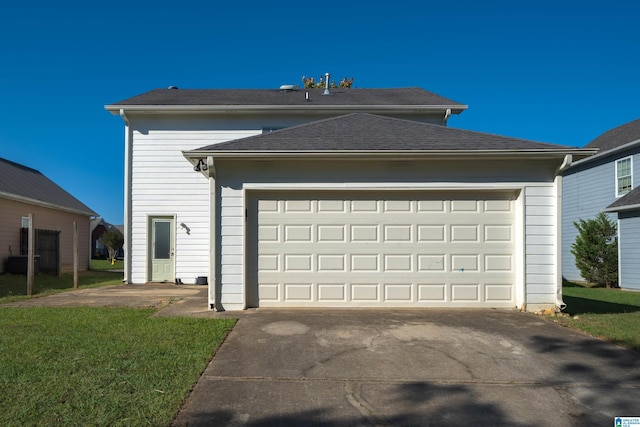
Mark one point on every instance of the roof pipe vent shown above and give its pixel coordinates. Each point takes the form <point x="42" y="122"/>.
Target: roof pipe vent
<point x="326" y="84"/>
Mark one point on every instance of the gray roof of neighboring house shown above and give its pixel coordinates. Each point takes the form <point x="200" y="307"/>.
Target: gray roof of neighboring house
<point x="108" y="227"/>
<point x="29" y="185"/>
<point x="369" y="132"/>
<point x="617" y="137"/>
<point x="412" y="96"/>
<point x="631" y="200"/>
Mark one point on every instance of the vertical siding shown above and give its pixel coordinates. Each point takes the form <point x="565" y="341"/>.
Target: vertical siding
<point x="541" y="259"/>
<point x="629" y="235"/>
<point x="11" y="213"/>
<point x="164" y="183"/>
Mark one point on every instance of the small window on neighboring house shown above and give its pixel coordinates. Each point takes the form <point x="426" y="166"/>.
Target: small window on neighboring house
<point x="624" y="176"/>
<point x="25" y="222"/>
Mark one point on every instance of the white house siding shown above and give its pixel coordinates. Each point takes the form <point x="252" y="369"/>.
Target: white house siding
<point x="629" y="235"/>
<point x="541" y="244"/>
<point x="531" y="180"/>
<point x="163" y="183"/>
<point x="587" y="189"/>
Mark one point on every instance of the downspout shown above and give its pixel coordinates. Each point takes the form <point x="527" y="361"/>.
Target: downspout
<point x="213" y="236"/>
<point x="447" y="114"/>
<point x="128" y="137"/>
<point x="568" y="160"/>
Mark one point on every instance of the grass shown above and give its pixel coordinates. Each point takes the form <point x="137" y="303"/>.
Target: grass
<point x="99" y="366"/>
<point x="105" y="265"/>
<point x="610" y="314"/>
<point x="13" y="287"/>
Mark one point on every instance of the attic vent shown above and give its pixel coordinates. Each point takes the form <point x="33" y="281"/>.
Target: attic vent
<point x="287" y="88"/>
<point x="172" y="87"/>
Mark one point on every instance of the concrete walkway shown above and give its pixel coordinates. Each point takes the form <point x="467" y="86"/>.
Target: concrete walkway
<point x="390" y="367"/>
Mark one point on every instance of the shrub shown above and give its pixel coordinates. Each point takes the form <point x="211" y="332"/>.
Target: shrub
<point x="596" y="250"/>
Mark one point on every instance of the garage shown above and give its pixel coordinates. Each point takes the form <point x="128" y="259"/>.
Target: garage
<point x="384" y="249"/>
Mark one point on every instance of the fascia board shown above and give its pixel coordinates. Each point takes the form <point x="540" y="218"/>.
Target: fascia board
<point x="361" y="154"/>
<point x="613" y="151"/>
<point x="246" y="109"/>
<point x="35" y="202"/>
<point x="622" y="208"/>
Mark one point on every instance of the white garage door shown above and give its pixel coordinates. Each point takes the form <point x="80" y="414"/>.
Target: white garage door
<point x="372" y="249"/>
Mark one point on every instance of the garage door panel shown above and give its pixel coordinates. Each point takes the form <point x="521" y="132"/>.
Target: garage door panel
<point x="397" y="249"/>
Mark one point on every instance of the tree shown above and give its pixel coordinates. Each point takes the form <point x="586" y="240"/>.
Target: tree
<point x="113" y="240"/>
<point x="596" y="250"/>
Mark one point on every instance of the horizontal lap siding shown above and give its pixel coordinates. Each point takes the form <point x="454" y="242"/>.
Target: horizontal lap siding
<point x="540" y="244"/>
<point x="629" y="245"/>
<point x="586" y="191"/>
<point x="164" y="183"/>
<point x="11" y="213"/>
<point x="540" y="220"/>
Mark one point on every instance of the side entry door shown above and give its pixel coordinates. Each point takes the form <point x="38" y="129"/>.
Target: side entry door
<point x="162" y="249"/>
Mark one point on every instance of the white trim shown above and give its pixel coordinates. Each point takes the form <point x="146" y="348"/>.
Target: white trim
<point x="333" y="186"/>
<point x="617" y="178"/>
<point x="174" y="239"/>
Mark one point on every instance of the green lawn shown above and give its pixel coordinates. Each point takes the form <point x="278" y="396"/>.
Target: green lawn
<point x="99" y="366"/>
<point x="104" y="265"/>
<point x="610" y="314"/>
<point x="14" y="286"/>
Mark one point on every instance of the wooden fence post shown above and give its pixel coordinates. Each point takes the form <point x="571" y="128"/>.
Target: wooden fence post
<point x="30" y="256"/>
<point x="75" y="255"/>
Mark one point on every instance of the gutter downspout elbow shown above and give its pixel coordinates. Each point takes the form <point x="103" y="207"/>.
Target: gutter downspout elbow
<point x="566" y="164"/>
<point x="447" y="114"/>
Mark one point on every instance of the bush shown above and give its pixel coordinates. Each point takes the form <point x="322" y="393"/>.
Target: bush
<point x="596" y="250"/>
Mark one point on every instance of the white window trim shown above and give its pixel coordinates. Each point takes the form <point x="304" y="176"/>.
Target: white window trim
<point x="630" y="158"/>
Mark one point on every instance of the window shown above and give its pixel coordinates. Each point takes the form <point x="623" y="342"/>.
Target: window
<point x="624" y="176"/>
<point x="25" y="222"/>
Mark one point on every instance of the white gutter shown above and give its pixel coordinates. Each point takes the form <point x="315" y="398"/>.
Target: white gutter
<point x="613" y="151"/>
<point x="353" y="154"/>
<point x="127" y="197"/>
<point x="213" y="235"/>
<point x="622" y="208"/>
<point x="568" y="159"/>
<point x="116" y="109"/>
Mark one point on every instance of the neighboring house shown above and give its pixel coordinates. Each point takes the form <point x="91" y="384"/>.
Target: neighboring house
<point x="604" y="182"/>
<point x="357" y="198"/>
<point x="25" y="191"/>
<point x="98" y="227"/>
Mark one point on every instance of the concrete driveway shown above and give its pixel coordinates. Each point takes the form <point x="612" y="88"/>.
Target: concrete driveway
<point x="411" y="368"/>
<point x="427" y="367"/>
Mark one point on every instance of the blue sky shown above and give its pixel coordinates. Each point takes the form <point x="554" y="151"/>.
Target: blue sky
<point x="553" y="71"/>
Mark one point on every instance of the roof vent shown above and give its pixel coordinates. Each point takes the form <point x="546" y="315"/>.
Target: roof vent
<point x="287" y="88"/>
<point x="172" y="87"/>
<point x="326" y="85"/>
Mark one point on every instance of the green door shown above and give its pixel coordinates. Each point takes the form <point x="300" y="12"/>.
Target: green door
<point x="162" y="249"/>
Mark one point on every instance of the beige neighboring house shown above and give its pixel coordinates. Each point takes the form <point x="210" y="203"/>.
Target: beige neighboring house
<point x="25" y="191"/>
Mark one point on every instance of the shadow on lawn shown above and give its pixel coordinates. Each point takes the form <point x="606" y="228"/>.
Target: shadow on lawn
<point x="577" y="305"/>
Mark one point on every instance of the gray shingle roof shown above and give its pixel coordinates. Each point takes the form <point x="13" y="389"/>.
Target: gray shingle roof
<point x="630" y="199"/>
<point x="617" y="137"/>
<point x="273" y="97"/>
<point x="27" y="183"/>
<point x="362" y="131"/>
